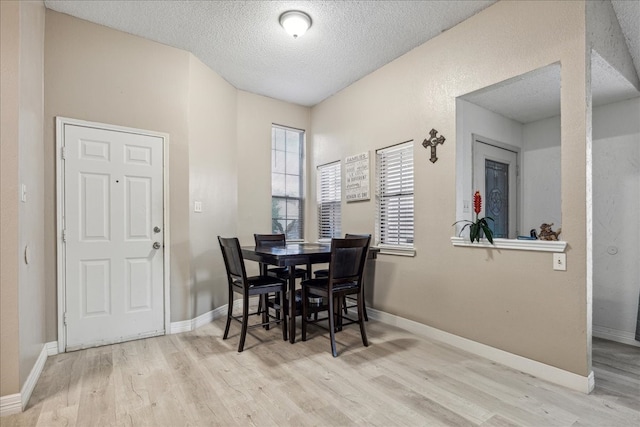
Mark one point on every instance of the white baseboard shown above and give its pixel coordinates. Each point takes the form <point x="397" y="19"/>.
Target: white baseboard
<point x="10" y="404"/>
<point x="52" y="348"/>
<point x="209" y="316"/>
<point x="203" y="319"/>
<point x="622" y="337"/>
<point x="32" y="379"/>
<point x="532" y="367"/>
<point x="15" y="403"/>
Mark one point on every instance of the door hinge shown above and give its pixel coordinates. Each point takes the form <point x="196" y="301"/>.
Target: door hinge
<point x="64" y="235"/>
<point x="64" y="153"/>
<point x="64" y="318"/>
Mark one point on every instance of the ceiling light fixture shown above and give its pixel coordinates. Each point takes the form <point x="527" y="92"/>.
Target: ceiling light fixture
<point x="295" y="23"/>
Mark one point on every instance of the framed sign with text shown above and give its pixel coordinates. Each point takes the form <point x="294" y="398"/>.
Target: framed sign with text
<point x="356" y="170"/>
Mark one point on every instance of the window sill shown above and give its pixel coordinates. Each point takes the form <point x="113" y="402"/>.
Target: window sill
<point x="522" y="245"/>
<point x="394" y="250"/>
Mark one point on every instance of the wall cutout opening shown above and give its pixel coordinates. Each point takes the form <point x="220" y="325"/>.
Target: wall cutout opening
<point x="508" y="148"/>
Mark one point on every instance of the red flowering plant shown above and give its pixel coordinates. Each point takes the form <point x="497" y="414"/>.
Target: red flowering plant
<point x="480" y="224"/>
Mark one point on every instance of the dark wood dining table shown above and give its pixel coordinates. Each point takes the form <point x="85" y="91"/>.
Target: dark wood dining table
<point x="289" y="256"/>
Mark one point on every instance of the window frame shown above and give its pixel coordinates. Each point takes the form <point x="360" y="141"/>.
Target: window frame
<point x="334" y="175"/>
<point x="403" y="193"/>
<point x="300" y="174"/>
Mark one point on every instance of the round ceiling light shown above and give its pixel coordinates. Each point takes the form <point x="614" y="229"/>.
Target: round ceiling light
<point x="295" y="23"/>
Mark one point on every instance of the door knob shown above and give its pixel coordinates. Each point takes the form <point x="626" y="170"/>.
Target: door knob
<point x="156" y="229"/>
<point x="156" y="245"/>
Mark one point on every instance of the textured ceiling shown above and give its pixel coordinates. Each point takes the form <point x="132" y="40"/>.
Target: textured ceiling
<point x="243" y="42"/>
<point x="527" y="98"/>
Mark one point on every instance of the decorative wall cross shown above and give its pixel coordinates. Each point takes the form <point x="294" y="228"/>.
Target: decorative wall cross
<point x="433" y="142"/>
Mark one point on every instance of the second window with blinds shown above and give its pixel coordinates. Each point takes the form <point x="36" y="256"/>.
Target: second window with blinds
<point x="394" y="199"/>
<point x="329" y="201"/>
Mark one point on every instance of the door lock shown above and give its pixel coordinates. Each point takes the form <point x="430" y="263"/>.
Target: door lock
<point x="156" y="229"/>
<point x="156" y="245"/>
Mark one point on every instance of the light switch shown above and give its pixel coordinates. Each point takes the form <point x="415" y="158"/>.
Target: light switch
<point x="197" y="206"/>
<point x="560" y="262"/>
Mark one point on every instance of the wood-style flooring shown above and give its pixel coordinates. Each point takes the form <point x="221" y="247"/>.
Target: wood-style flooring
<point x="197" y="379"/>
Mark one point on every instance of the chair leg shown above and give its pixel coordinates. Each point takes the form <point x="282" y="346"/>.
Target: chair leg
<point x="305" y="308"/>
<point x="262" y="301"/>
<point x="282" y="316"/>
<point x="361" y="311"/>
<point x="364" y="305"/>
<point x="260" y="305"/>
<point x="245" y="321"/>
<point x="229" y="314"/>
<point x="340" y="301"/>
<point x="332" y="325"/>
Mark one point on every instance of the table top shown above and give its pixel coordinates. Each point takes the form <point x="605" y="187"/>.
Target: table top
<point x="293" y="253"/>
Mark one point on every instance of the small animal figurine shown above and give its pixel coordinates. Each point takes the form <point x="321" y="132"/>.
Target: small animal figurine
<point x="546" y="233"/>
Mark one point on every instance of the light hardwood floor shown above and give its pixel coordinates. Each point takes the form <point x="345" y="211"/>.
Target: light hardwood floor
<point x="198" y="379"/>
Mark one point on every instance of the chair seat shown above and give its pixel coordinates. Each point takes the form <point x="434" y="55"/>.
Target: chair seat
<point x="324" y="272"/>
<point x="316" y="303"/>
<point x="264" y="281"/>
<point x="323" y="284"/>
<point x="283" y="272"/>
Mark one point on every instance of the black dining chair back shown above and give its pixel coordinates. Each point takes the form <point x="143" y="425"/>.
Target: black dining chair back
<point x="346" y="268"/>
<point x="234" y="262"/>
<point x="277" y="240"/>
<point x="271" y="241"/>
<point x="348" y="301"/>
<point x="248" y="286"/>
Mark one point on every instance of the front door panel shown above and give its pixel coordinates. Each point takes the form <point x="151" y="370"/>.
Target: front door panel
<point x="113" y="199"/>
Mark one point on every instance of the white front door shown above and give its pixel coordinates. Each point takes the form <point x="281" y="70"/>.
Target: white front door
<point x="495" y="169"/>
<point x="113" y="236"/>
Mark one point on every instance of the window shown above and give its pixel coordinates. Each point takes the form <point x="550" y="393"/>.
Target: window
<point x="286" y="182"/>
<point x="394" y="171"/>
<point x="329" y="201"/>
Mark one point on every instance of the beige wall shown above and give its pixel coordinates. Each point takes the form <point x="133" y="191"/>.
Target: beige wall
<point x="212" y="180"/>
<point x="256" y="114"/>
<point x="9" y="125"/>
<point x="220" y="141"/>
<point x="22" y="284"/>
<point x="511" y="300"/>
<point x="31" y="299"/>
<point x="97" y="74"/>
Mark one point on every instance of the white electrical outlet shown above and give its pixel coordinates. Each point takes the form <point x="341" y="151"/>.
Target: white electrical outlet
<point x="560" y="262"/>
<point x="197" y="206"/>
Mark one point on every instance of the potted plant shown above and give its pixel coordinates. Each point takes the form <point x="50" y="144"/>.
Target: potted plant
<point x="480" y="225"/>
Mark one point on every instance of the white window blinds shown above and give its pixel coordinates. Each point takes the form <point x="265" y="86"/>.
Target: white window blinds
<point x="394" y="170"/>
<point x="329" y="201"/>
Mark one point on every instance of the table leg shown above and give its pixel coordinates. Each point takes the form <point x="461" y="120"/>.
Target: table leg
<point x="292" y="304"/>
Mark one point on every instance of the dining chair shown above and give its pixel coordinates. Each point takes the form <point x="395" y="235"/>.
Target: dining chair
<point x="270" y="241"/>
<point x="324" y="272"/>
<point x="275" y="240"/>
<point x="249" y="286"/>
<point x="346" y="267"/>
